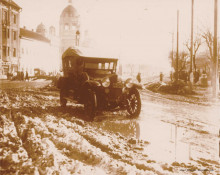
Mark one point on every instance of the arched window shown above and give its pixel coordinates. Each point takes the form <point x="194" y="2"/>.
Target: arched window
<point x="73" y="27"/>
<point x="66" y="27"/>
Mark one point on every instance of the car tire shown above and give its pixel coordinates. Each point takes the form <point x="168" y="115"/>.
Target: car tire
<point x="63" y="101"/>
<point x="90" y="104"/>
<point x="134" y="103"/>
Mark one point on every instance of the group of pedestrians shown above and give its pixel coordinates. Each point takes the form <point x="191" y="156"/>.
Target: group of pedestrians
<point x="18" y="76"/>
<point x="193" y="77"/>
<point x="24" y="77"/>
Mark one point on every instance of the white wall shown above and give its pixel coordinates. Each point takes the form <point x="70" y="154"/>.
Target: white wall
<point x="38" y="54"/>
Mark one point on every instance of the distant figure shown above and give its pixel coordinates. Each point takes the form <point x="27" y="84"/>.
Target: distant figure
<point x="138" y="77"/>
<point x="161" y="76"/>
<point x="18" y="75"/>
<point x="22" y="76"/>
<point x="204" y="79"/>
<point x="26" y="76"/>
<point x="196" y="76"/>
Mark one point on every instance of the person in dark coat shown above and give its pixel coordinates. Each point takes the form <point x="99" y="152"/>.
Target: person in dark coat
<point x="22" y="76"/>
<point x="26" y="76"/>
<point x="138" y="77"/>
<point x="161" y="76"/>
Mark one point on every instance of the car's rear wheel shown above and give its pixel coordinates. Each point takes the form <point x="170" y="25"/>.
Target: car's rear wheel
<point x="63" y="101"/>
<point x="90" y="104"/>
<point x="134" y="103"/>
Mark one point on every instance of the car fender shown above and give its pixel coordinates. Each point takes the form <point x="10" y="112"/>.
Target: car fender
<point x="137" y="86"/>
<point x="91" y="84"/>
<point x="126" y="91"/>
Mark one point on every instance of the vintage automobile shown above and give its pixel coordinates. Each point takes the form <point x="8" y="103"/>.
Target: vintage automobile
<point x="93" y="82"/>
<point x="39" y="72"/>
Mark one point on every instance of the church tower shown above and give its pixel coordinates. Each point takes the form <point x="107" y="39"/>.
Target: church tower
<point x="41" y="29"/>
<point x="69" y="28"/>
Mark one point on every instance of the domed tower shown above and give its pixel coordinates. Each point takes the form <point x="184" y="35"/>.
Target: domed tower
<point x="69" y="28"/>
<point x="41" y="29"/>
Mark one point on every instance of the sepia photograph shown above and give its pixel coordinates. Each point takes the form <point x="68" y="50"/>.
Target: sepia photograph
<point x="115" y="87"/>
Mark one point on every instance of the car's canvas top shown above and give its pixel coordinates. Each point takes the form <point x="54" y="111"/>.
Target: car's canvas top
<point x="76" y="52"/>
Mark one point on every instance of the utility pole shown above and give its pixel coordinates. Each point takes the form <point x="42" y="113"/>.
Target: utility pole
<point x="215" y="53"/>
<point x="191" y="49"/>
<point x="177" y="47"/>
<point x="172" y="47"/>
<point x="172" y="52"/>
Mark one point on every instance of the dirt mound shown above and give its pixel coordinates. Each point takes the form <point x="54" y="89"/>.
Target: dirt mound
<point x="180" y="88"/>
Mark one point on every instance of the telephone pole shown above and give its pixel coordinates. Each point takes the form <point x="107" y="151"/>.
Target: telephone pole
<point x="215" y="53"/>
<point x="177" y="47"/>
<point x="191" y="49"/>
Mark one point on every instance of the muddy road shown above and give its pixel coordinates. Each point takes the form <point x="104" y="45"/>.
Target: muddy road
<point x="37" y="136"/>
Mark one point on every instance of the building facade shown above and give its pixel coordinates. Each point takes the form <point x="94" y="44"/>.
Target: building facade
<point x="38" y="51"/>
<point x="9" y="40"/>
<point x="69" y="28"/>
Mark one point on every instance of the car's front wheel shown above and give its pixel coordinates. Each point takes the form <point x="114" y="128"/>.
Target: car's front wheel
<point x="63" y="101"/>
<point x="134" y="103"/>
<point x="90" y="104"/>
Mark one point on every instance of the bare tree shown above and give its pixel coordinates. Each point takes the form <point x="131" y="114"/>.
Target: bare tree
<point x="196" y="44"/>
<point x="208" y="37"/>
<point x="182" y="60"/>
<point x="209" y="40"/>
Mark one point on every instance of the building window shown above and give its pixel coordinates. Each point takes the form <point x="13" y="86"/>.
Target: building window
<point x="73" y="27"/>
<point x="5" y="17"/>
<point x="4" y="35"/>
<point x="14" y="52"/>
<point x="8" y="51"/>
<point x="14" y="35"/>
<point x="66" y="27"/>
<point x="8" y="33"/>
<point x="4" y="51"/>
<point x="15" y="19"/>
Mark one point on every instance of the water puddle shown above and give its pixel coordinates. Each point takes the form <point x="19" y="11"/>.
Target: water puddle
<point x="168" y="142"/>
<point x="165" y="141"/>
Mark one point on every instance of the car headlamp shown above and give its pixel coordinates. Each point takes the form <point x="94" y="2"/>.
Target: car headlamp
<point x="105" y="82"/>
<point x="129" y="83"/>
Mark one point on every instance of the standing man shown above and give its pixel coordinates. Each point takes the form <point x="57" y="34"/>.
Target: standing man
<point x="138" y="77"/>
<point x="22" y="76"/>
<point x="161" y="76"/>
<point x="26" y="76"/>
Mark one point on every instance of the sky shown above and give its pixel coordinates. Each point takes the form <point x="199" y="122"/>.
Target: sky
<point x="135" y="30"/>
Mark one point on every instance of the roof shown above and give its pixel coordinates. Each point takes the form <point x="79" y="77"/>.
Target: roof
<point x="71" y="52"/>
<point x="80" y="53"/>
<point x="70" y="10"/>
<point x="11" y="3"/>
<point x="32" y="35"/>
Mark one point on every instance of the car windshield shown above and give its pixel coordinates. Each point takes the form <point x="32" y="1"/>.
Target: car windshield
<point x="100" y="66"/>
